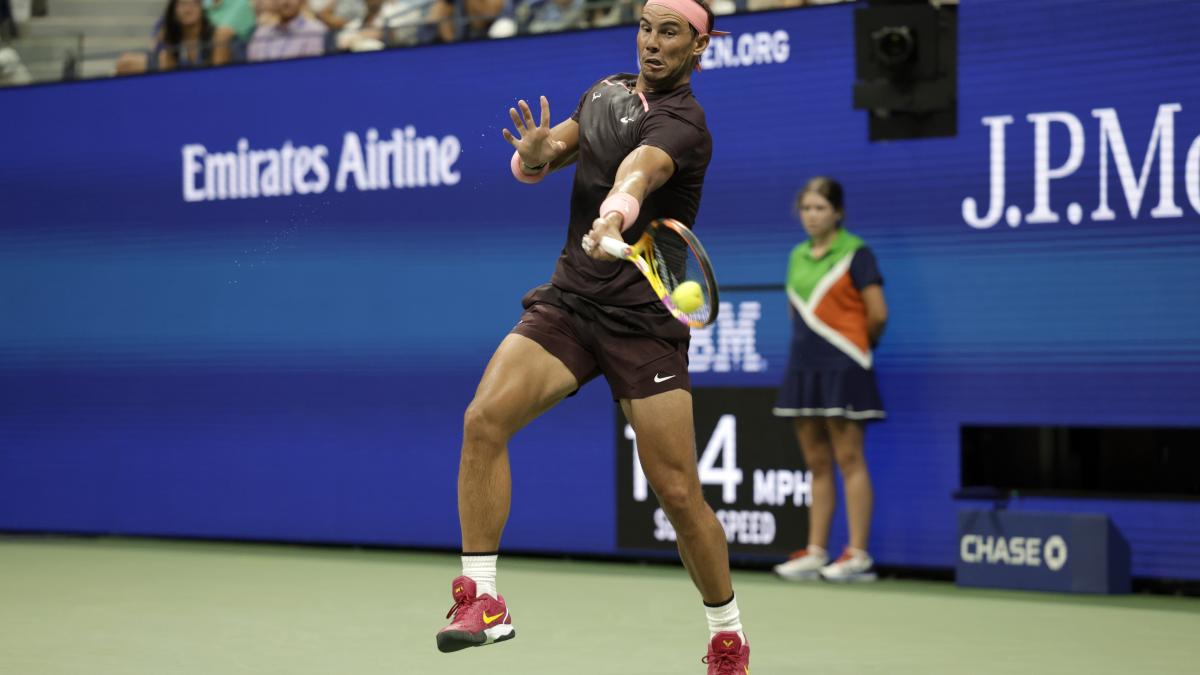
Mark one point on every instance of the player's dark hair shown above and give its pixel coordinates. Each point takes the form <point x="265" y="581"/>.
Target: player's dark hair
<point x="828" y="188"/>
<point x="711" y="18"/>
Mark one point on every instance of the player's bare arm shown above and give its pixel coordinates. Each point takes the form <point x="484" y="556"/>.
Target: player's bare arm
<point x="642" y="171"/>
<point x="539" y="145"/>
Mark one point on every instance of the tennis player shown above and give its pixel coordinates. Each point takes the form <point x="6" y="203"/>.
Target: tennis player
<point x="641" y="148"/>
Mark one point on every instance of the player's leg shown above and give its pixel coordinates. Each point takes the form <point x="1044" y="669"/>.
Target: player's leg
<point x="818" y="458"/>
<point x="667" y="449"/>
<point x="680" y="542"/>
<point x="847" y="437"/>
<point x="521" y="381"/>
<point x="666" y="446"/>
<point x="648" y="374"/>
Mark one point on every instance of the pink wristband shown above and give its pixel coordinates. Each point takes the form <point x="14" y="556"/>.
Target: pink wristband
<point x="525" y="177"/>
<point x="623" y="203"/>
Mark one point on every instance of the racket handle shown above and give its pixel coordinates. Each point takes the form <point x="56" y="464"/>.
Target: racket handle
<point x="614" y="247"/>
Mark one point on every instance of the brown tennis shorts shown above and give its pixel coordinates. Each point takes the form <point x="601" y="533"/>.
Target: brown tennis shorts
<point x="634" y="348"/>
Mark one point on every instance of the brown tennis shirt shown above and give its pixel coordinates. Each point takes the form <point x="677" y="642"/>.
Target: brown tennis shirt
<point x="613" y="121"/>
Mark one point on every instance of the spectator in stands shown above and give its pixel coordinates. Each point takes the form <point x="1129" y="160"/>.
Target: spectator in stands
<point x="189" y="38"/>
<point x="758" y="5"/>
<point x="12" y="71"/>
<point x="548" y="16"/>
<point x="630" y="11"/>
<point x="361" y="28"/>
<point x="236" y="15"/>
<point x="337" y="14"/>
<point x="8" y="23"/>
<point x="473" y="19"/>
<point x="612" y="14"/>
<point x="444" y="19"/>
<point x="265" y="13"/>
<point x="186" y="38"/>
<point x="292" y="35"/>
<point x="409" y="22"/>
<point x="393" y="22"/>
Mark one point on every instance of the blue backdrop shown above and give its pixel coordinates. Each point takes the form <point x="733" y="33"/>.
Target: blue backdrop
<point x="295" y="366"/>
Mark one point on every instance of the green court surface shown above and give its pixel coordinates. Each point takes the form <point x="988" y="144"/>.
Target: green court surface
<point x="117" y="607"/>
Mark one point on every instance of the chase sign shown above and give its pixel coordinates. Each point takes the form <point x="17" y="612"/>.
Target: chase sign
<point x="1072" y="553"/>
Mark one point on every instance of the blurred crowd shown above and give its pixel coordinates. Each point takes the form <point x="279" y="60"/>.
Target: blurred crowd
<point x="12" y="71"/>
<point x="200" y="33"/>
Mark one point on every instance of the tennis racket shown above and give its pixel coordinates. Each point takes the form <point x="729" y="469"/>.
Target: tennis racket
<point x="676" y="266"/>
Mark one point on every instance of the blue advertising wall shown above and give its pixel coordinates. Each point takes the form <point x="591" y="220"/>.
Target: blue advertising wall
<point x="295" y="366"/>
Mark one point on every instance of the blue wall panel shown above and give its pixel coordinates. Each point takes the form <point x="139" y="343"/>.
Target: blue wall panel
<point x="296" y="367"/>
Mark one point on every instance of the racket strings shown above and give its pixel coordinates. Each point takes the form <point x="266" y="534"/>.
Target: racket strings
<point x="670" y="259"/>
<point x="675" y="262"/>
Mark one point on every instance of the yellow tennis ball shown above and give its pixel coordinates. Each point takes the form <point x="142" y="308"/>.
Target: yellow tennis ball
<point x="687" y="297"/>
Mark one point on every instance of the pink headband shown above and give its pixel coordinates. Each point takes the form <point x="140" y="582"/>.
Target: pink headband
<point x="692" y="11"/>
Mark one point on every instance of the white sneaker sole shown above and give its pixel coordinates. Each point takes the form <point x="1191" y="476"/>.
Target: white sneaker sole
<point x="802" y="575"/>
<point x="500" y="633"/>
<point x="861" y="577"/>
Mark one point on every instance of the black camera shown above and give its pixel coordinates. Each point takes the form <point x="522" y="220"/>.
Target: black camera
<point x="905" y="66"/>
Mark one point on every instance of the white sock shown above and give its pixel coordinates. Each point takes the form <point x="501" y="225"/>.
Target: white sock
<point x="482" y="570"/>
<point x="725" y="618"/>
<point x="817" y="550"/>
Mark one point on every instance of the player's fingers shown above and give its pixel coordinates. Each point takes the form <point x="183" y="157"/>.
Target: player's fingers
<point x="512" y="112"/>
<point x="596" y="231"/>
<point x="527" y="114"/>
<point x="594" y="250"/>
<point x="512" y="140"/>
<point x="545" y="112"/>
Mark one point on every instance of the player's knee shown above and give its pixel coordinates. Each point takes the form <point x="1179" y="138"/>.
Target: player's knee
<point x="678" y="499"/>
<point x="482" y="424"/>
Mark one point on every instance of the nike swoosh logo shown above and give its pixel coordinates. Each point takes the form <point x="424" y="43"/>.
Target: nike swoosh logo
<point x="658" y="379"/>
<point x="727" y="643"/>
<point x="487" y="620"/>
<point x="627" y="120"/>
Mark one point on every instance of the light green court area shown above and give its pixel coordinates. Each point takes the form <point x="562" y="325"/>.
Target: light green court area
<point x="126" y="607"/>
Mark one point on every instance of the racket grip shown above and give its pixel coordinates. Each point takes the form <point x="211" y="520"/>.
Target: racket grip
<point x="614" y="247"/>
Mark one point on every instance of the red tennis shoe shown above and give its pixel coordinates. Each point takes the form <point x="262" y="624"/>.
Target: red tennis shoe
<point x="728" y="655"/>
<point x="477" y="621"/>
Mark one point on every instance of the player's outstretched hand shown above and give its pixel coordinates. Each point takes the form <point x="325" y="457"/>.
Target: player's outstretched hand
<point x="533" y="141"/>
<point x="608" y="226"/>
